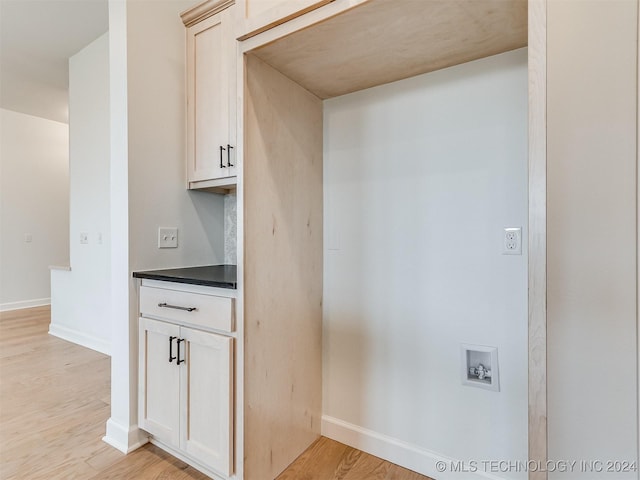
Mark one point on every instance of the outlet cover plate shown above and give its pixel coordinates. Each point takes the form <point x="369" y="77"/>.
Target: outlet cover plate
<point x="167" y="237"/>
<point x="512" y="241"/>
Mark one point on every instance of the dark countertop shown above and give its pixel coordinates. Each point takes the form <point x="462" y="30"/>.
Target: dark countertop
<point x="221" y="276"/>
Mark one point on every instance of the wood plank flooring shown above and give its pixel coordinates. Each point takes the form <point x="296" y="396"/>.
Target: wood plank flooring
<point x="54" y="403"/>
<point x="330" y="460"/>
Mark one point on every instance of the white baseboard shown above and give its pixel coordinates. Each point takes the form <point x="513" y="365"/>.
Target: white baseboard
<point x="80" y="338"/>
<point x="401" y="453"/>
<point x="123" y="438"/>
<point x="37" y="302"/>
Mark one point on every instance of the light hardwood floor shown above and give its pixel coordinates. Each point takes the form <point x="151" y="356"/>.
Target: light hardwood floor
<point x="54" y="402"/>
<point x="329" y="460"/>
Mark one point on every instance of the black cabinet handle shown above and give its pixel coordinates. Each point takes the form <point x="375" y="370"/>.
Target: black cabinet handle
<point x="222" y="165"/>
<point x="180" y="340"/>
<point x="171" y="357"/>
<point x="176" y="307"/>
<point x="229" y="147"/>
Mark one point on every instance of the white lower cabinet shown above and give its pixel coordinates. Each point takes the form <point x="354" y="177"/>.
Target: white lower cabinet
<point x="159" y="412"/>
<point x="186" y="391"/>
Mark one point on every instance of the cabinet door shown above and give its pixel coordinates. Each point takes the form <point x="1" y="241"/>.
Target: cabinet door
<point x="159" y="382"/>
<point x="210" y="70"/>
<point x="207" y="388"/>
<point x="231" y="51"/>
<point x="260" y="15"/>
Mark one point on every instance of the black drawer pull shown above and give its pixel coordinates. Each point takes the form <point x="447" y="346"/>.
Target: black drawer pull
<point x="171" y="357"/>
<point x="222" y="165"/>
<point x="229" y="147"/>
<point x="175" y="307"/>
<point x="180" y="340"/>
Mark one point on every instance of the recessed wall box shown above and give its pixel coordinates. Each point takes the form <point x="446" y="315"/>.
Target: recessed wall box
<point x="479" y="366"/>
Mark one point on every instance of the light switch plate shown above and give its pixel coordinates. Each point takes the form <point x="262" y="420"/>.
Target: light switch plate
<point x="167" y="237"/>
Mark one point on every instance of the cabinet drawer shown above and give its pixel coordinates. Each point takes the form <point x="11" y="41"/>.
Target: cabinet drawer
<point x="207" y="311"/>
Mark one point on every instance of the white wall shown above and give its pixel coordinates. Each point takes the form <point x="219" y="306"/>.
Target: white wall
<point x="151" y="165"/>
<point x="157" y="145"/>
<point x="80" y="298"/>
<point x="119" y="430"/>
<point x="592" y="235"/>
<point x="34" y="200"/>
<point x="421" y="177"/>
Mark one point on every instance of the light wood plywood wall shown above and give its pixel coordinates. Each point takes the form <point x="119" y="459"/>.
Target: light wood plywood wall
<point x="283" y="270"/>
<point x="372" y="44"/>
<point x="537" y="267"/>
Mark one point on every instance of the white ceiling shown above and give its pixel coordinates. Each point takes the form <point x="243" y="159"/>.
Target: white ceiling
<point x="37" y="37"/>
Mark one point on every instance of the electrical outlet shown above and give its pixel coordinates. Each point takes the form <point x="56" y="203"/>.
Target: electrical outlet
<point x="167" y="237"/>
<point x="512" y="242"/>
<point x="28" y="238"/>
<point x="84" y="238"/>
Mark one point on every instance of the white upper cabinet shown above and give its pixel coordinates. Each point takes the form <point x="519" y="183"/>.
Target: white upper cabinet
<point x="259" y="15"/>
<point x="211" y="101"/>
